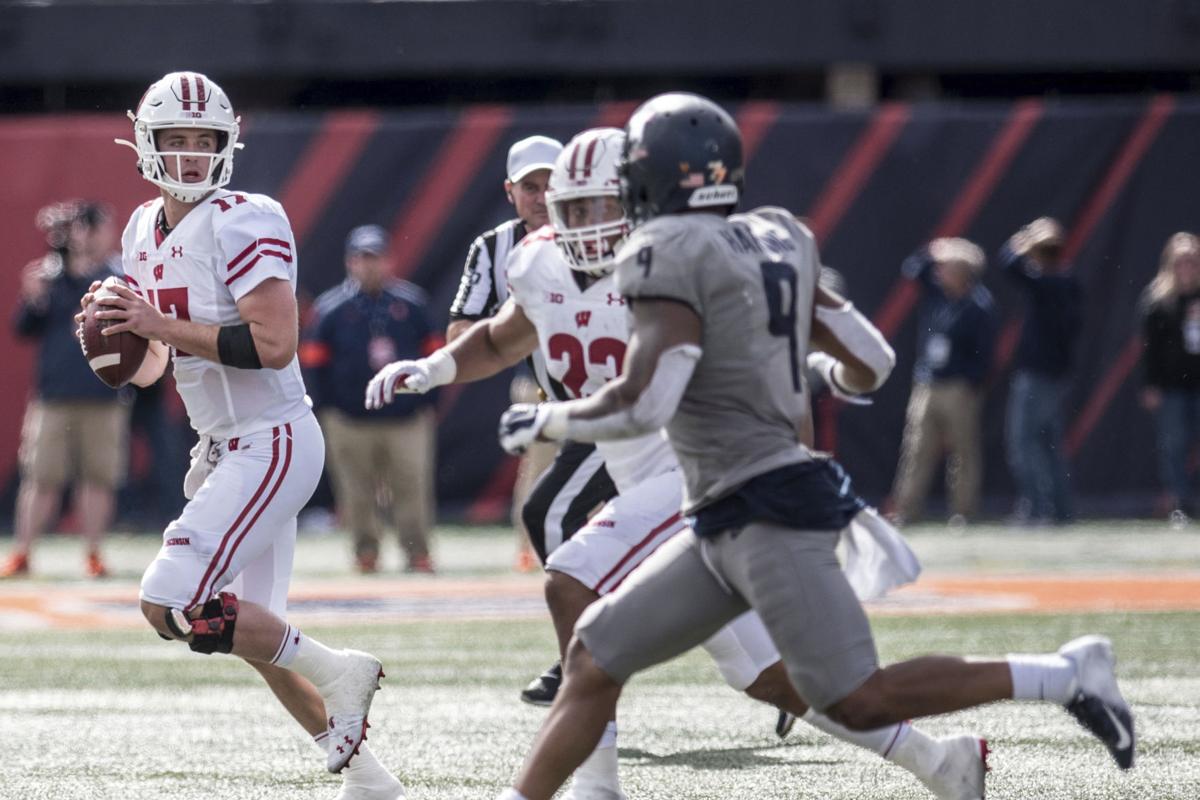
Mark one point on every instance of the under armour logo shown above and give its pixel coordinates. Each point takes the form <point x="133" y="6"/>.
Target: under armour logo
<point x="177" y="251"/>
<point x="158" y="272"/>
<point x="296" y="641"/>
<point x="582" y="318"/>
<point x="615" y="299"/>
<point x="347" y="740"/>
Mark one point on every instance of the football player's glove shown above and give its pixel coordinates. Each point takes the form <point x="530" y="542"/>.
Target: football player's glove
<point x="823" y="364"/>
<point x="521" y="425"/>
<point x="398" y="377"/>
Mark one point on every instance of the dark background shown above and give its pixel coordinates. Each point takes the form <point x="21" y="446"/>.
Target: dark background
<point x="887" y="123"/>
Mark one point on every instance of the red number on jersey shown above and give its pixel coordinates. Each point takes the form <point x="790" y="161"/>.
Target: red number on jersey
<point x="224" y="204"/>
<point x="600" y="352"/>
<point x="173" y="301"/>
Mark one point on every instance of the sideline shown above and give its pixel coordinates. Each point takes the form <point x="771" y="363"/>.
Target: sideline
<point x="80" y="606"/>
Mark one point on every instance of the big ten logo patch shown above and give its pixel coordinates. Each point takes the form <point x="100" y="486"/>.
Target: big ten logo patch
<point x="555" y="297"/>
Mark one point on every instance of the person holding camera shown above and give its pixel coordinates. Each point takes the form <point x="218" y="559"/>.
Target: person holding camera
<point x="1033" y="259"/>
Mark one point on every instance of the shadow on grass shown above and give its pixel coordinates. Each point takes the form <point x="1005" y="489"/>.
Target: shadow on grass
<point x="724" y="758"/>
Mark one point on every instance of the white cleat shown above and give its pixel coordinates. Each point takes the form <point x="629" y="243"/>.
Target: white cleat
<point x="378" y="785"/>
<point x="1097" y="702"/>
<point x="347" y="702"/>
<point x="961" y="772"/>
<point x="593" y="793"/>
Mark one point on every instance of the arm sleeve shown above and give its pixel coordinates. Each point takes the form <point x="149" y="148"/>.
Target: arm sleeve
<point x="476" y="297"/>
<point x="663" y="263"/>
<point x="256" y="244"/>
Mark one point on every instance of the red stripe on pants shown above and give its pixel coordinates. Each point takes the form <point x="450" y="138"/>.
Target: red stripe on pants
<point x="200" y="593"/>
<point x="674" y="518"/>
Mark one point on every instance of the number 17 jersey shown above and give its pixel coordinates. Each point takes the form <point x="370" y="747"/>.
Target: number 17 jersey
<point x="229" y="243"/>
<point x="751" y="278"/>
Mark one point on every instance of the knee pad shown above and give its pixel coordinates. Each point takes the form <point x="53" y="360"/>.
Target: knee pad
<point x="212" y="631"/>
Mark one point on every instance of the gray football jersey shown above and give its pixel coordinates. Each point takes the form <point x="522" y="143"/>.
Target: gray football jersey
<point x="751" y="278"/>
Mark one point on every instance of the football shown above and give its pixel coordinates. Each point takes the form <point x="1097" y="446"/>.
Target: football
<point x="115" y="359"/>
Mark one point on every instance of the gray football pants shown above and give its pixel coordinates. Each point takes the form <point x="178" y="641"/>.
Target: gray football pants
<point x="691" y="587"/>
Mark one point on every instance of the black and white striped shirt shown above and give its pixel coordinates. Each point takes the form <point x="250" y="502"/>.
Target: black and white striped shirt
<point x="484" y="285"/>
<point x="484" y="288"/>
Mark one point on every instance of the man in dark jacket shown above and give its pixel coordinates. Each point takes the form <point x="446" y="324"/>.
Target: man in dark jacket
<point x="362" y="324"/>
<point x="1033" y="259"/>
<point x="955" y="334"/>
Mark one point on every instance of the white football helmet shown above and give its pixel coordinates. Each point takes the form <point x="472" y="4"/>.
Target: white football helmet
<point x="586" y="170"/>
<point x="184" y="100"/>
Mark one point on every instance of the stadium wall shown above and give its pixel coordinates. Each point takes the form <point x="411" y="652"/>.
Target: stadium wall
<point x="876" y="184"/>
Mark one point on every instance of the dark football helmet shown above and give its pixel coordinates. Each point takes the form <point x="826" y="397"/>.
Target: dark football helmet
<point x="682" y="152"/>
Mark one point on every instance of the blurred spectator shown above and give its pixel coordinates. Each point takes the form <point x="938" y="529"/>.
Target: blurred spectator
<point x="379" y="458"/>
<point x="549" y="505"/>
<point x="76" y="428"/>
<point x="153" y="493"/>
<point x="955" y="334"/>
<point x="1033" y="259"/>
<point x="1170" y="310"/>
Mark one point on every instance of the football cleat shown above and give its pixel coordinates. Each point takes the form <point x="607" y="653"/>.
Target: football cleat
<point x="347" y="702"/>
<point x="542" y="690"/>
<point x="961" y="772"/>
<point x="377" y="784"/>
<point x="1097" y="702"/>
<point x="785" y="723"/>
<point x="576" y="792"/>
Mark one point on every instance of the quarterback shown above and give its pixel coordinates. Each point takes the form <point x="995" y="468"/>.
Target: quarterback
<point x="564" y="300"/>
<point x="211" y="282"/>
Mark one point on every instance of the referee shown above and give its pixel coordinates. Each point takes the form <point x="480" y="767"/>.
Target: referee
<point x="575" y="481"/>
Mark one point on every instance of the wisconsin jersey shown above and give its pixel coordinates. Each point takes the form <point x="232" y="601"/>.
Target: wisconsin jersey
<point x="582" y="335"/>
<point x="751" y="278"/>
<point x="225" y="246"/>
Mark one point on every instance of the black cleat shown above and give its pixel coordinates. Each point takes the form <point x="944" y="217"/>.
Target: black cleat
<point x="1098" y="704"/>
<point x="1109" y="723"/>
<point x="542" y="690"/>
<point x="784" y="725"/>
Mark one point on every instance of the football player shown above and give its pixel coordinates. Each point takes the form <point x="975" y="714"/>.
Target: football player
<point x="211" y="278"/>
<point x="564" y="301"/>
<point x="724" y="309"/>
<point x="558" y="483"/>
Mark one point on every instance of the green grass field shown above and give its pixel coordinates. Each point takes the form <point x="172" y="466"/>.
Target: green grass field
<point x="116" y="713"/>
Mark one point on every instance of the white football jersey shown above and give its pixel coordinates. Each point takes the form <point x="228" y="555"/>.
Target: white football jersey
<point x="225" y="246"/>
<point x="582" y="334"/>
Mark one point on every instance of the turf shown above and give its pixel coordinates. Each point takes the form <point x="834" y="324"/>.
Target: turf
<point x="119" y="714"/>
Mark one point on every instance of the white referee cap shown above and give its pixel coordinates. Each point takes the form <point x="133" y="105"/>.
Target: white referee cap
<point x="533" y="153"/>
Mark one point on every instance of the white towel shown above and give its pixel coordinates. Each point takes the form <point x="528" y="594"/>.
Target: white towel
<point x="876" y="559"/>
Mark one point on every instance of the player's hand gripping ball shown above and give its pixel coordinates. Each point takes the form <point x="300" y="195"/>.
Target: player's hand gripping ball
<point x="115" y="359"/>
